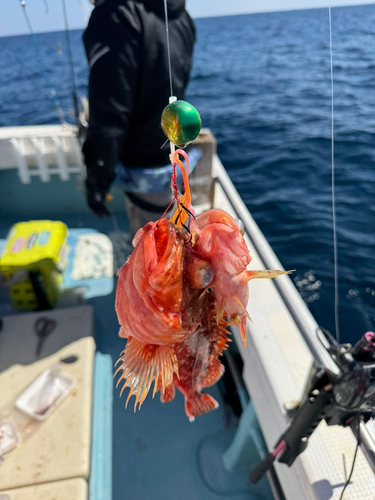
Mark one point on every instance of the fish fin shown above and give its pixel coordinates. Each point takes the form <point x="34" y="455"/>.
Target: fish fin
<point x="219" y="342"/>
<point x="243" y="329"/>
<point x="168" y="394"/>
<point x="220" y="313"/>
<point x="237" y="300"/>
<point x="199" y="403"/>
<point x="249" y="275"/>
<point x="143" y="363"/>
<point x="213" y="373"/>
<point x="122" y="333"/>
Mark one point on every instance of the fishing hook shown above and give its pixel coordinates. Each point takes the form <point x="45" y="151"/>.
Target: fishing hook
<point x="187" y="210"/>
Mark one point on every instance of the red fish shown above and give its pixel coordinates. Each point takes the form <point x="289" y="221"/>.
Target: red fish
<point x="198" y="363"/>
<point x="173" y="295"/>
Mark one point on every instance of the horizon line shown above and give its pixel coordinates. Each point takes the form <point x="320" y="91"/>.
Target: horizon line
<point x="271" y="11"/>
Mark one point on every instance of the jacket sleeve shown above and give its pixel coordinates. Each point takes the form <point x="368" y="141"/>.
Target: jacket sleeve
<point x="112" y="44"/>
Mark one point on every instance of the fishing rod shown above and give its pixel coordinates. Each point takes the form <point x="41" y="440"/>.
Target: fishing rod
<point x="71" y="66"/>
<point x="52" y="91"/>
<point x="346" y="398"/>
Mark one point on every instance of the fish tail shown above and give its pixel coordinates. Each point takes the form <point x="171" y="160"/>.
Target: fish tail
<point x="199" y="403"/>
<point x="143" y="363"/>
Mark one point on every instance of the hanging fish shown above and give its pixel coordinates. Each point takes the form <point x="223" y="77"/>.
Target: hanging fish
<point x="183" y="285"/>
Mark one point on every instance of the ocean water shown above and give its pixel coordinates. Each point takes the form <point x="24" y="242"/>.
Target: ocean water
<point x="262" y="85"/>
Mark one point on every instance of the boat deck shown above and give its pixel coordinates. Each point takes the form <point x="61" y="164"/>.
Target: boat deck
<point x="156" y="451"/>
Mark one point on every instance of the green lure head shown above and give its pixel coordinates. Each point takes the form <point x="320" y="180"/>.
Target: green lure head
<point x="181" y="123"/>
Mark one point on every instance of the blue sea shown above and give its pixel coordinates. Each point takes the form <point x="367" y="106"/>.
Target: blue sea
<point x="262" y="85"/>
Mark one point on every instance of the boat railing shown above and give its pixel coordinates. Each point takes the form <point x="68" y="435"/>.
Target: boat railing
<point x="41" y="151"/>
<point x="303" y="318"/>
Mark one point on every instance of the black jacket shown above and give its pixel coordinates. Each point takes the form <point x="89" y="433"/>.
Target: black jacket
<point x="126" y="48"/>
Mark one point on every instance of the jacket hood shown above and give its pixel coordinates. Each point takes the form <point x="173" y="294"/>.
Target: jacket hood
<point x="175" y="7"/>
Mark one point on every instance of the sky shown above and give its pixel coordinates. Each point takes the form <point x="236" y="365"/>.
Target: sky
<point x="46" y="15"/>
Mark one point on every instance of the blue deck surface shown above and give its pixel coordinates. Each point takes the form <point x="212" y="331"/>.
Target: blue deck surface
<point x="156" y="450"/>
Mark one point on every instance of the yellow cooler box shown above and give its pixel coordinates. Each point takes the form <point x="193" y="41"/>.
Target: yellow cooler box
<point x="37" y="252"/>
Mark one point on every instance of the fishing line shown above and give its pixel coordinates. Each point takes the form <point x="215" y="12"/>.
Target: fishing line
<point x="115" y="223"/>
<point x="168" y="46"/>
<point x="121" y="233"/>
<point x="52" y="91"/>
<point x="84" y="10"/>
<point x="71" y="65"/>
<point x="354" y="460"/>
<point x="335" y="257"/>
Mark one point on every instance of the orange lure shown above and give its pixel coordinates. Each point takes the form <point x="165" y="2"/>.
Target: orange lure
<point x="184" y="283"/>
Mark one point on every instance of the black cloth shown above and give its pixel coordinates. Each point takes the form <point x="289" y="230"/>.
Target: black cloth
<point x="126" y="48"/>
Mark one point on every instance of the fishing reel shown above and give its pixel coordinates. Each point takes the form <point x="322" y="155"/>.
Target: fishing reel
<point x="338" y="398"/>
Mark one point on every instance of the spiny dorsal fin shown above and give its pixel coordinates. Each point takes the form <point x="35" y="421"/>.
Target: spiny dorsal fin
<point x="143" y="363"/>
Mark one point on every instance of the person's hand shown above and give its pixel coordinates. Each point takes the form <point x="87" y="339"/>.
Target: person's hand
<point x="97" y="199"/>
<point x="99" y="180"/>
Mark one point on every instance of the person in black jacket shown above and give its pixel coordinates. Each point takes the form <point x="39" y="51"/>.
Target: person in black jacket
<point x="126" y="48"/>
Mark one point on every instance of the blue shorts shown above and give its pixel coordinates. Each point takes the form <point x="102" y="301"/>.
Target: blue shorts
<point x="151" y="180"/>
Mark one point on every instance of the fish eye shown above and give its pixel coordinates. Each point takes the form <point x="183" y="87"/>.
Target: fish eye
<point x="242" y="227"/>
<point x="210" y="290"/>
<point x="207" y="277"/>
